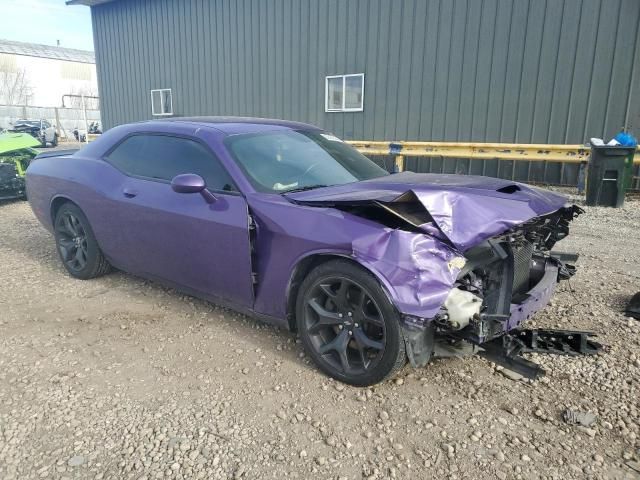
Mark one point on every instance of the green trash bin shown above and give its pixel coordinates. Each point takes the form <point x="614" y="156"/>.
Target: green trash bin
<point x="608" y="168"/>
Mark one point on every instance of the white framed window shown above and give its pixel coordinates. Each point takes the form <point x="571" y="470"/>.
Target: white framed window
<point x="344" y="93"/>
<point x="161" y="102"/>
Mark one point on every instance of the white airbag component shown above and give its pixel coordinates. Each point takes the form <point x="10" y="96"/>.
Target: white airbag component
<point x="461" y="307"/>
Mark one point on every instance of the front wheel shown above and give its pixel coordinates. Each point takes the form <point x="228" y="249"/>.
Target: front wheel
<point x="348" y="325"/>
<point x="77" y="245"/>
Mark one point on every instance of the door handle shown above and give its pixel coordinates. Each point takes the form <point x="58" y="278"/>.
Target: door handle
<point x="129" y="192"/>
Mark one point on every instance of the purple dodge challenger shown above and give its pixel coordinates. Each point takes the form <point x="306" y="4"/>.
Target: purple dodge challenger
<point x="285" y="222"/>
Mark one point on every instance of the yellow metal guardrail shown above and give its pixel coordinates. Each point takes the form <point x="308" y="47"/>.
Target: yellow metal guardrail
<point x="486" y="151"/>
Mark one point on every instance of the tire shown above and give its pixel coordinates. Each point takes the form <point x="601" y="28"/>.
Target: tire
<point x="348" y="326"/>
<point x="54" y="143"/>
<point x="76" y="244"/>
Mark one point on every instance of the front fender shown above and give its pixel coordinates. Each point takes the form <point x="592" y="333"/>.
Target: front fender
<point x="416" y="273"/>
<point x="417" y="270"/>
<point x="304" y="263"/>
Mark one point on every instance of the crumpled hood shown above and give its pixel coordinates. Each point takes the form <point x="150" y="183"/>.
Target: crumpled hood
<point x="466" y="209"/>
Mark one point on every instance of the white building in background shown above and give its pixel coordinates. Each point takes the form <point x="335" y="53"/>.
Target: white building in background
<point x="39" y="75"/>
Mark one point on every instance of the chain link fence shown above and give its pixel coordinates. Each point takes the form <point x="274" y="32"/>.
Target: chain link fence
<point x="64" y="119"/>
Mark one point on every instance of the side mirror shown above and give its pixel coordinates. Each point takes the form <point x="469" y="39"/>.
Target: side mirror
<point x="192" y="183"/>
<point x="188" y="183"/>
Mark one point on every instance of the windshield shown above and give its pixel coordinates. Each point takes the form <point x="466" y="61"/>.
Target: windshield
<point x="279" y="162"/>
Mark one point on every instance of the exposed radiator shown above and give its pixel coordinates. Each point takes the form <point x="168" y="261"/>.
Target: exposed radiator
<point x="522" y="254"/>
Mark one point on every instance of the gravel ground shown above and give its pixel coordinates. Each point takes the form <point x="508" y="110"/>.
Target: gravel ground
<point x="119" y="378"/>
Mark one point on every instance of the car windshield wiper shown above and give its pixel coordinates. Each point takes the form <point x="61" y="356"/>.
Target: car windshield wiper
<point x="302" y="189"/>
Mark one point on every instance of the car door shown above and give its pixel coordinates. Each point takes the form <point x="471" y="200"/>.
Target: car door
<point x="176" y="237"/>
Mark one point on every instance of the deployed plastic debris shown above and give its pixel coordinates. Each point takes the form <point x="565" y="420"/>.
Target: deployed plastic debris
<point x="574" y="417"/>
<point x="507" y="350"/>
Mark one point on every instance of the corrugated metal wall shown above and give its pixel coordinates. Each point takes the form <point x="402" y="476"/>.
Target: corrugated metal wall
<point x="556" y="71"/>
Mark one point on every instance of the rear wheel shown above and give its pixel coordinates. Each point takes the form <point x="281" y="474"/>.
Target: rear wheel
<point x="77" y="245"/>
<point x="348" y="325"/>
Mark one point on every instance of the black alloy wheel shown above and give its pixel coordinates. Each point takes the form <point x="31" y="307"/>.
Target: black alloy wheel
<point x="77" y="245"/>
<point x="72" y="241"/>
<point x="345" y="325"/>
<point x="348" y="325"/>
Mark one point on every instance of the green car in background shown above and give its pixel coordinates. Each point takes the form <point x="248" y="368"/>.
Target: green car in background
<point x="16" y="152"/>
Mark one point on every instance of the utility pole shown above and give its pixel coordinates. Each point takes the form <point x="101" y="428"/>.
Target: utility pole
<point x="84" y="115"/>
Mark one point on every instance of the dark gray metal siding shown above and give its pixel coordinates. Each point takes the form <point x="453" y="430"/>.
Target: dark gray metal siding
<point x="529" y="71"/>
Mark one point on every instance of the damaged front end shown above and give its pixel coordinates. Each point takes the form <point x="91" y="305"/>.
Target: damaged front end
<point x="506" y="279"/>
<point x="466" y="259"/>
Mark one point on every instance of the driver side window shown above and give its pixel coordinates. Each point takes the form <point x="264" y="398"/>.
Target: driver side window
<point x="162" y="157"/>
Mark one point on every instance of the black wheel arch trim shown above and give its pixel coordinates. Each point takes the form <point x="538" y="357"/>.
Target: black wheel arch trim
<point x="308" y="262"/>
<point x="56" y="202"/>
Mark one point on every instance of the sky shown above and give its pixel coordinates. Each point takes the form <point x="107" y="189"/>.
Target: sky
<point x="45" y="22"/>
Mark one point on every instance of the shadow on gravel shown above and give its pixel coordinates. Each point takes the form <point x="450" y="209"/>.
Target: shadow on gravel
<point x="28" y="238"/>
<point x="32" y="241"/>
<point x="247" y="328"/>
<point x="620" y="300"/>
<point x="259" y="334"/>
<point x="10" y="202"/>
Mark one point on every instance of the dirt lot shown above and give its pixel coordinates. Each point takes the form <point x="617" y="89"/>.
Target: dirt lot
<point x="120" y="378"/>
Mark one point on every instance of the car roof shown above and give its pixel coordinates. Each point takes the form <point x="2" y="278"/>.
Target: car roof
<point x="235" y="125"/>
<point x="224" y="125"/>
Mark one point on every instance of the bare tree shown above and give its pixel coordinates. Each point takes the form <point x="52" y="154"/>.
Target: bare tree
<point x="91" y="100"/>
<point x="15" y="88"/>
